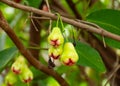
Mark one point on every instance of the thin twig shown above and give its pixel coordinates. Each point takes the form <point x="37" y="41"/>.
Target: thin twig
<point x="69" y="21"/>
<point x="50" y="26"/>
<point x="112" y="74"/>
<point x="37" y="48"/>
<point x="35" y="17"/>
<point x="33" y="23"/>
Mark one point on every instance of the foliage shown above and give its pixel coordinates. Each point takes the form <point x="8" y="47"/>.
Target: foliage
<point x="6" y="56"/>
<point x="106" y="19"/>
<point x="89" y="58"/>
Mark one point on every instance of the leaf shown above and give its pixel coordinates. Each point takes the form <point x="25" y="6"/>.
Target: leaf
<point x="89" y="57"/>
<point x="2" y="40"/>
<point x="109" y="20"/>
<point x="33" y="3"/>
<point x="6" y="55"/>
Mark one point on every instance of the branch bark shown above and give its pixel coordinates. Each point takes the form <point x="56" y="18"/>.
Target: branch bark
<point x="35" y="37"/>
<point x="26" y="53"/>
<point x="81" y="25"/>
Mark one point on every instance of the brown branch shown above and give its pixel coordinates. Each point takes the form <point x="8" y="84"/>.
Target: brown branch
<point x="35" y="37"/>
<point x="5" y="26"/>
<point x="81" y="25"/>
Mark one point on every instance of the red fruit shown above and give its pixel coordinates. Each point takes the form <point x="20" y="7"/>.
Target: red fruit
<point x="45" y="8"/>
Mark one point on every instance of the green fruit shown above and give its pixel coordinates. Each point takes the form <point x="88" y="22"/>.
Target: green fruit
<point x="18" y="65"/>
<point x="10" y="79"/>
<point x="56" y="38"/>
<point x="55" y="53"/>
<point x="26" y="76"/>
<point x="4" y="84"/>
<point x="69" y="55"/>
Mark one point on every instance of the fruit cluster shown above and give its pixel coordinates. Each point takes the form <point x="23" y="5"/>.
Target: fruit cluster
<point x="58" y="49"/>
<point x="19" y="70"/>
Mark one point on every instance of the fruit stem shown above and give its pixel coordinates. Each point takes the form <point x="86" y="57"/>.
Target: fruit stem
<point x="28" y="84"/>
<point x="57" y="19"/>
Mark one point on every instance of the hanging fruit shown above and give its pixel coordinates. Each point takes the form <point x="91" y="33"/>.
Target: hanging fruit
<point x="10" y="79"/>
<point x="55" y="53"/>
<point x="56" y="38"/>
<point x="18" y="65"/>
<point x="26" y="76"/>
<point x="69" y="56"/>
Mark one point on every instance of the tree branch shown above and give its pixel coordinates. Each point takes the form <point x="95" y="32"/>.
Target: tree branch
<point x="81" y="25"/>
<point x="26" y="53"/>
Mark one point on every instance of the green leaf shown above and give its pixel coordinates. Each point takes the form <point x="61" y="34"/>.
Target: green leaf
<point x="33" y="3"/>
<point x="6" y="55"/>
<point x="109" y="20"/>
<point x="2" y="40"/>
<point x="88" y="56"/>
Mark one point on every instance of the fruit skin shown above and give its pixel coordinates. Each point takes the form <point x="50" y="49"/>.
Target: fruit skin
<point x="4" y="84"/>
<point x="26" y="76"/>
<point x="69" y="56"/>
<point x="18" y="65"/>
<point x="56" y="38"/>
<point x="10" y="79"/>
<point x="55" y="53"/>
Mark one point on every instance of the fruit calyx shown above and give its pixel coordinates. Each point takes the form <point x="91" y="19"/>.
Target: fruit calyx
<point x="69" y="62"/>
<point x="69" y="56"/>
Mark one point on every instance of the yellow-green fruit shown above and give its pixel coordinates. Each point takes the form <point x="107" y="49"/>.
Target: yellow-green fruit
<point x="18" y="65"/>
<point x="69" y="55"/>
<point x="56" y="38"/>
<point x="26" y="76"/>
<point x="55" y="53"/>
<point x="10" y="79"/>
<point x="4" y="84"/>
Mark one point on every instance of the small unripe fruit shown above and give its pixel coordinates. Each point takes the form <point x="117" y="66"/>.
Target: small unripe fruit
<point x="16" y="68"/>
<point x="69" y="55"/>
<point x="18" y="65"/>
<point x="56" y="38"/>
<point x="10" y="79"/>
<point x="26" y="76"/>
<point x="55" y="52"/>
